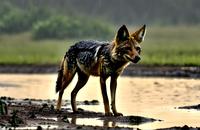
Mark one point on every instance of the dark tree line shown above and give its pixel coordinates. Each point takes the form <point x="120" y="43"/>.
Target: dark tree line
<point x="124" y="11"/>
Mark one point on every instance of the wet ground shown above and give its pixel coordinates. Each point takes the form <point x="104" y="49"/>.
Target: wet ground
<point x="164" y="102"/>
<point x="31" y="113"/>
<point x="131" y="70"/>
<point x="37" y="113"/>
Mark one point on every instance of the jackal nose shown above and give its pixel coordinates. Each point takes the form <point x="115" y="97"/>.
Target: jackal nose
<point x="136" y="59"/>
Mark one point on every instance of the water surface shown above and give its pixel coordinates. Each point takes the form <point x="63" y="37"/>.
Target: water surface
<point x="143" y="96"/>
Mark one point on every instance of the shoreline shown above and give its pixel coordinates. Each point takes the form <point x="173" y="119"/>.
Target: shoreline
<point x="131" y="70"/>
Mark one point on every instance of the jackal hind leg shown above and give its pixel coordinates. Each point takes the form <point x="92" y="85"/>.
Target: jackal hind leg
<point x="65" y="82"/>
<point x="58" y="107"/>
<point x="82" y="80"/>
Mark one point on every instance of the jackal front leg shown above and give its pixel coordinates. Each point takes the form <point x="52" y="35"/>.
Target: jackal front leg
<point x="113" y="86"/>
<point x="105" y="96"/>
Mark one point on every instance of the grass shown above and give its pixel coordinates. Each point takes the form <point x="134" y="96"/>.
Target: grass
<point x="21" y="49"/>
<point x="172" y="46"/>
<point x="162" y="46"/>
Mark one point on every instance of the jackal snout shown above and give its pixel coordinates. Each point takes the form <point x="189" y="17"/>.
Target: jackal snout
<point x="136" y="59"/>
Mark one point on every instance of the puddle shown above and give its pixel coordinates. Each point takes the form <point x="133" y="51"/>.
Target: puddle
<point x="150" y="97"/>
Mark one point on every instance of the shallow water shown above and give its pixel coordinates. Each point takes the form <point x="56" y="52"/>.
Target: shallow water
<point x="143" y="96"/>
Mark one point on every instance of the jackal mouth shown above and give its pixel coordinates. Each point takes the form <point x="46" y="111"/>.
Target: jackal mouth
<point x="135" y="60"/>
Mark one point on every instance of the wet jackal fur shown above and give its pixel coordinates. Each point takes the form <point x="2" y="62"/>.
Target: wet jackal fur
<point x="102" y="59"/>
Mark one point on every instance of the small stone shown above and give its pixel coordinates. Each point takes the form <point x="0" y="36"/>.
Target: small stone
<point x="32" y="115"/>
<point x="95" y="102"/>
<point x="79" y="127"/>
<point x="52" y="108"/>
<point x="86" y="102"/>
<point x="39" y="128"/>
<point x="45" y="105"/>
<point x="185" y="127"/>
<point x="65" y="119"/>
<point x="80" y="110"/>
<point x="3" y="108"/>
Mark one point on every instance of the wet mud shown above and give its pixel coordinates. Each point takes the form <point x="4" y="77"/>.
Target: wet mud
<point x="41" y="114"/>
<point x="195" y="107"/>
<point x="32" y="113"/>
<point x="131" y="70"/>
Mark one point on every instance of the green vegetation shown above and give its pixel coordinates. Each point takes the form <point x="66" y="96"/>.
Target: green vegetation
<point x="14" y="20"/>
<point x="21" y="49"/>
<point x="40" y="31"/>
<point x="45" y="23"/>
<point x="162" y="46"/>
<point x="172" y="46"/>
<point x="61" y="27"/>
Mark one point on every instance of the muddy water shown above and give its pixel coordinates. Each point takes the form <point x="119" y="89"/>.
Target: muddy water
<point x="143" y="96"/>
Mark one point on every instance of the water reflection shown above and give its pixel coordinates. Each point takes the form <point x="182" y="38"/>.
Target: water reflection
<point x="87" y="121"/>
<point x="149" y="97"/>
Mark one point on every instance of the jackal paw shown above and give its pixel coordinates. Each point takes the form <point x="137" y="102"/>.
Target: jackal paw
<point x="118" y="114"/>
<point x="76" y="112"/>
<point x="108" y="114"/>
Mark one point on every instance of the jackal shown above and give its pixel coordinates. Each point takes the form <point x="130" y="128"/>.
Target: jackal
<point x="104" y="59"/>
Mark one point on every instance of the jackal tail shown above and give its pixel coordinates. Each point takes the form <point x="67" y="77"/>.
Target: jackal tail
<point x="60" y="75"/>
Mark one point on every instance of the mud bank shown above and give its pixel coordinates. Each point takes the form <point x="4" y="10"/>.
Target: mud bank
<point x="36" y="114"/>
<point x="196" y="107"/>
<point x="40" y="114"/>
<point x="131" y="70"/>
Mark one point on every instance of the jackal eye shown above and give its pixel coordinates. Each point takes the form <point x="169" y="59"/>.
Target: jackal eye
<point x="138" y="49"/>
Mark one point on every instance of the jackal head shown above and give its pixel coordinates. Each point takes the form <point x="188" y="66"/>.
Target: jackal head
<point x="127" y="46"/>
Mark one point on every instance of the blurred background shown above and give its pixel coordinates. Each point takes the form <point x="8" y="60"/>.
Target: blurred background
<point x="40" y="31"/>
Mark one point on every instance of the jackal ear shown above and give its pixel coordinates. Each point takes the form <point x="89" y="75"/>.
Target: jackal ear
<point x="139" y="34"/>
<point x="122" y="34"/>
